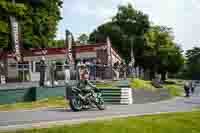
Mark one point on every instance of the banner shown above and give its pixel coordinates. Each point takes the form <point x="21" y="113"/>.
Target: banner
<point x="109" y="51"/>
<point x="15" y="37"/>
<point x="70" y="49"/>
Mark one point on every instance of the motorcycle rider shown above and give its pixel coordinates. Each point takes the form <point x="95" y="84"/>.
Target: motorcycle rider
<point x="84" y="83"/>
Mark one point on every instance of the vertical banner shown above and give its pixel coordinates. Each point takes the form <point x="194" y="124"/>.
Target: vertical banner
<point x="15" y="37"/>
<point x="70" y="49"/>
<point x="109" y="51"/>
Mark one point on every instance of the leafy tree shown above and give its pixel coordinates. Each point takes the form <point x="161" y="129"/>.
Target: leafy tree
<point x="127" y="23"/>
<point x="7" y="9"/>
<point x="165" y="54"/>
<point x="193" y="63"/>
<point x="131" y="21"/>
<point x="41" y="24"/>
<point x="57" y="44"/>
<point x="38" y="23"/>
<point x="83" y="39"/>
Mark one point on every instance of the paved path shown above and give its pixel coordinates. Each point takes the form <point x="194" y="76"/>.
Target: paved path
<point x="28" y="119"/>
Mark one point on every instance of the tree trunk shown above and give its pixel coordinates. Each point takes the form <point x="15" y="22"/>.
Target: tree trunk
<point x="163" y="76"/>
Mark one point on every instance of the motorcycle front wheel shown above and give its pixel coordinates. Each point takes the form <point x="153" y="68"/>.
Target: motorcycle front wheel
<point x="76" y="103"/>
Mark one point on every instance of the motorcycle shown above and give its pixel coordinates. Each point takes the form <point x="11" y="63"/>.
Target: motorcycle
<point x="83" y="100"/>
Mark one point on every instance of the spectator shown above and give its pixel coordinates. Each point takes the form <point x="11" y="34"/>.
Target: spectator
<point x="42" y="71"/>
<point x="116" y="70"/>
<point x="192" y="86"/>
<point x="187" y="89"/>
<point x="93" y="70"/>
<point x="67" y="71"/>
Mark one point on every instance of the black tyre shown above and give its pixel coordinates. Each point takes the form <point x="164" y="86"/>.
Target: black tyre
<point x="100" y="104"/>
<point x="76" y="103"/>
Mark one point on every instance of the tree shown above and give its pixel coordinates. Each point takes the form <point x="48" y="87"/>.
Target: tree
<point x="126" y="23"/>
<point x="193" y="63"/>
<point x="7" y="9"/>
<point x="40" y="26"/>
<point x="38" y="20"/>
<point x="165" y="54"/>
<point x="131" y="21"/>
<point x="154" y="46"/>
<point x="57" y="44"/>
<point x="83" y="39"/>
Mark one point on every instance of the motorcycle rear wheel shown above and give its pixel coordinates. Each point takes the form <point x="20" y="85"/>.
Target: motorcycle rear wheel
<point x="100" y="104"/>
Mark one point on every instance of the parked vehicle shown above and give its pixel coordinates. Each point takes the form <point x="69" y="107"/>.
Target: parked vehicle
<point x="82" y="99"/>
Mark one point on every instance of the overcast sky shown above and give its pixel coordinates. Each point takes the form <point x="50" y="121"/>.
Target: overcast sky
<point x="83" y="16"/>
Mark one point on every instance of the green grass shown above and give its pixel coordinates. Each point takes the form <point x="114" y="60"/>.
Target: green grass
<point x="175" y="86"/>
<point x="49" y="102"/>
<point x="174" y="90"/>
<point x="142" y="84"/>
<point x="104" y="85"/>
<point x="110" y="84"/>
<point x="164" y="123"/>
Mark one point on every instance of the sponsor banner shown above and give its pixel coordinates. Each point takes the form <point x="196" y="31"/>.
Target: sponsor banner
<point x="109" y="51"/>
<point x="15" y="36"/>
<point x="70" y="55"/>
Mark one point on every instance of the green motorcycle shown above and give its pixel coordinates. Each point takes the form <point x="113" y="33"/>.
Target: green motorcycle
<point x="83" y="99"/>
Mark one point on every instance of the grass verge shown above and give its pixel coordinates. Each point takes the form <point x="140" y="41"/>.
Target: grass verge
<point x="142" y="84"/>
<point x="174" y="86"/>
<point x="163" y="123"/>
<point x="107" y="85"/>
<point x="49" y="102"/>
<point x="174" y="90"/>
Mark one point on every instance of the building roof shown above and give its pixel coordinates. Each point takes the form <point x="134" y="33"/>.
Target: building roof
<point x="58" y="51"/>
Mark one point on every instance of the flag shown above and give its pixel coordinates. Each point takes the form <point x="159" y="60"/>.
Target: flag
<point x="109" y="51"/>
<point x="70" y="49"/>
<point x="15" y="37"/>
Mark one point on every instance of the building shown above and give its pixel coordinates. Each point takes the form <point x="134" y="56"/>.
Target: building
<point x="98" y="52"/>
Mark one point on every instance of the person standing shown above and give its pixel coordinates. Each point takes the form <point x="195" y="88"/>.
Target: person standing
<point x="42" y="71"/>
<point x="116" y="70"/>
<point x="53" y="73"/>
<point x="1" y="72"/>
<point x="192" y="86"/>
<point x="187" y="89"/>
<point x="67" y="71"/>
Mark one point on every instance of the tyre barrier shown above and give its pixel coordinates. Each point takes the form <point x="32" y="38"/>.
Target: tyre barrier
<point x="117" y="96"/>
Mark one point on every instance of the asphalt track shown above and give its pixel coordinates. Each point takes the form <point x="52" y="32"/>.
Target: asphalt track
<point x="46" y="117"/>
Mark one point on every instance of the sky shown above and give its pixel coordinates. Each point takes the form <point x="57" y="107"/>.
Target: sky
<point x="83" y="16"/>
